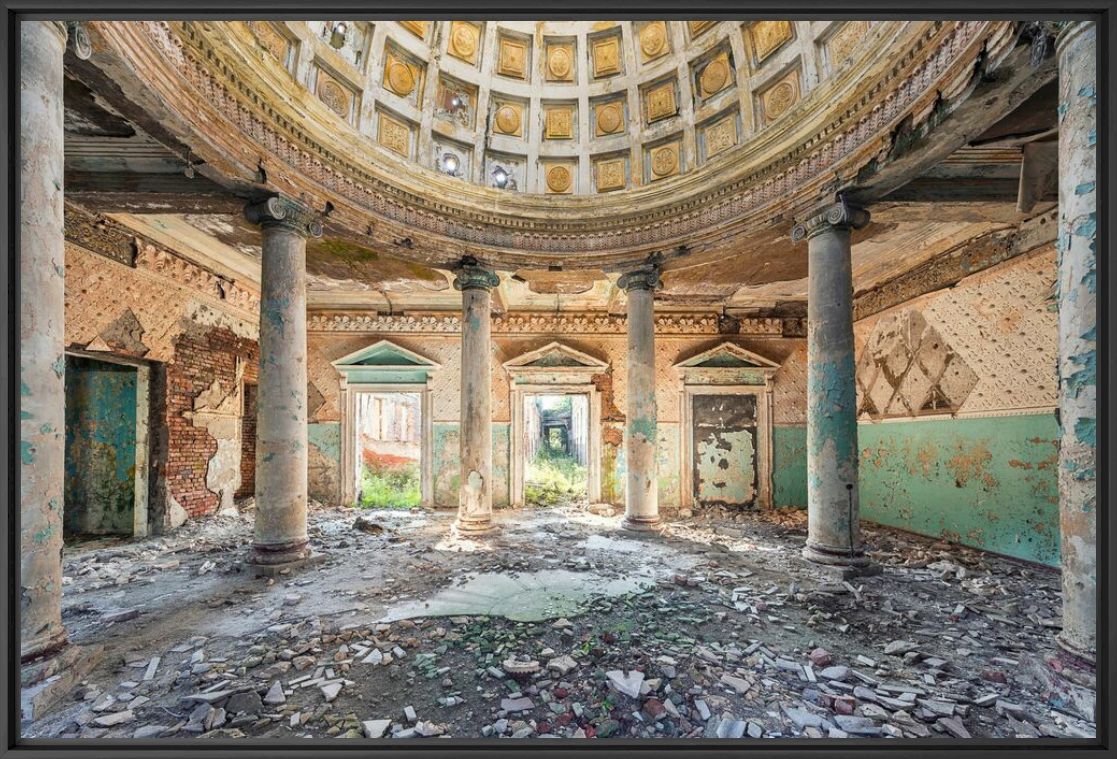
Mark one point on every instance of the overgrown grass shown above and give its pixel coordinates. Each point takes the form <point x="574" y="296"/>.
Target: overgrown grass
<point x="553" y="477"/>
<point x="395" y="487"/>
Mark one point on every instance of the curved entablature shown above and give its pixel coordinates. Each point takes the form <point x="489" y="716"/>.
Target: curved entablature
<point x="724" y="128"/>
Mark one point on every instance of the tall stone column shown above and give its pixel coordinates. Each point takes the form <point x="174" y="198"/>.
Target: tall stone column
<point x="42" y="295"/>
<point x="641" y="501"/>
<point x="1077" y="299"/>
<point x="475" y="494"/>
<point x="281" y="435"/>
<point x="833" y="519"/>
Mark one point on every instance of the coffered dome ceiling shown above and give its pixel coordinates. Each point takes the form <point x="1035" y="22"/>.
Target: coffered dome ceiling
<point x="557" y="145"/>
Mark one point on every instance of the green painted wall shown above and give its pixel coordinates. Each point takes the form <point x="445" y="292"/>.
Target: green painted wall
<point x="326" y="437"/>
<point x="789" y="467"/>
<point x="324" y="461"/>
<point x="100" y="481"/>
<point x="447" y="464"/>
<point x="987" y="482"/>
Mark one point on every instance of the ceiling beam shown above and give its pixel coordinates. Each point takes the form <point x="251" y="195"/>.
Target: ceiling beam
<point x="136" y="193"/>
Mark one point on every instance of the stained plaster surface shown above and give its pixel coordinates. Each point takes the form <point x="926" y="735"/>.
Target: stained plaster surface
<point x="725" y="614"/>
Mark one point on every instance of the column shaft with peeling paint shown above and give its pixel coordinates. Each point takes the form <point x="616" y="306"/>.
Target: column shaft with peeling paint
<point x="281" y="431"/>
<point x="42" y="337"/>
<point x="833" y="519"/>
<point x="475" y="493"/>
<point x="641" y="501"/>
<point x="1077" y="297"/>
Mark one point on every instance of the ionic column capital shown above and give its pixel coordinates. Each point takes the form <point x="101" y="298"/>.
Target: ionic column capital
<point x="646" y="278"/>
<point x="282" y="212"/>
<point x="1070" y="30"/>
<point x="471" y="276"/>
<point x="840" y="215"/>
<point x="77" y="37"/>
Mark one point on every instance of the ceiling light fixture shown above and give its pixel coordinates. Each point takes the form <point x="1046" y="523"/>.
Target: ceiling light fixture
<point x="500" y="178"/>
<point x="450" y="164"/>
<point x="338" y="35"/>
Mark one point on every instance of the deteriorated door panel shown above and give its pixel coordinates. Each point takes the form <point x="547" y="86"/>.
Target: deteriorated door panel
<point x="725" y="464"/>
<point x="100" y="479"/>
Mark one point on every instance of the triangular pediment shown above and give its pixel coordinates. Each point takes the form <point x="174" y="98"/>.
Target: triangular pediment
<point x="385" y="355"/>
<point x="555" y="356"/>
<point x="728" y="356"/>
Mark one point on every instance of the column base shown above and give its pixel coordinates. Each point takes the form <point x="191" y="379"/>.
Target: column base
<point x="48" y="680"/>
<point x="642" y="524"/>
<point x="270" y="560"/>
<point x="474" y="526"/>
<point x="45" y="649"/>
<point x="854" y="564"/>
<point x="1080" y="656"/>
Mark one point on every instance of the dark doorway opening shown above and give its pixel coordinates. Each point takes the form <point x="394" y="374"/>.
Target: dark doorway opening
<point x="101" y="448"/>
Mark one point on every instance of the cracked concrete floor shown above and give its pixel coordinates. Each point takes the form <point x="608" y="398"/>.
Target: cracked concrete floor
<point x="560" y="625"/>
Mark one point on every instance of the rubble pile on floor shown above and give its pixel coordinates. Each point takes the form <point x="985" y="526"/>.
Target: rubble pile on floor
<point x="736" y="638"/>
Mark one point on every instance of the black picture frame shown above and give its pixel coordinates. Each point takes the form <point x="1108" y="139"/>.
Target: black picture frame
<point x="1102" y="11"/>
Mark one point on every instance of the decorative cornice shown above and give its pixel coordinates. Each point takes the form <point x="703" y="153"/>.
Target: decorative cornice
<point x="939" y="62"/>
<point x="279" y="212"/>
<point x="158" y="260"/>
<point x="646" y="278"/>
<point x="841" y="215"/>
<point x="470" y="276"/>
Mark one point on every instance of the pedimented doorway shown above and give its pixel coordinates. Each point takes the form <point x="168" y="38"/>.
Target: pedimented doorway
<point x="556" y="411"/>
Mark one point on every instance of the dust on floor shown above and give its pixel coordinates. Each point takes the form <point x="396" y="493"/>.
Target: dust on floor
<point x="560" y="625"/>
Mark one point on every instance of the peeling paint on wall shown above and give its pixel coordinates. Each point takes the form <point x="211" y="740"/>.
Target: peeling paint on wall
<point x="988" y="482"/>
<point x="724" y="467"/>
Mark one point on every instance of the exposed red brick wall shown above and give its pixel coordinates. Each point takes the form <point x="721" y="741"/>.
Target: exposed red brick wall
<point x="199" y="358"/>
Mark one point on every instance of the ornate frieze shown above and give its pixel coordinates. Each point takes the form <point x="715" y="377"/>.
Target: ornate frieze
<point x="99" y="235"/>
<point x="532" y="323"/>
<point x="164" y="263"/>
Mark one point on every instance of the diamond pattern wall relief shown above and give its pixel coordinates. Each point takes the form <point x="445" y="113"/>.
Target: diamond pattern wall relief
<point x="908" y="369"/>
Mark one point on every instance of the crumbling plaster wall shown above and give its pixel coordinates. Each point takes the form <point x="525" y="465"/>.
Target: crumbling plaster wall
<point x="326" y="347"/>
<point x="201" y="347"/>
<point x="981" y="469"/>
